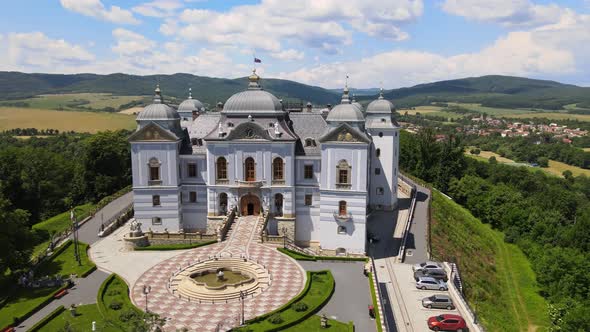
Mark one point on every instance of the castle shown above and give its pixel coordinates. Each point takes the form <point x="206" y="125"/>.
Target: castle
<point x="318" y="173"/>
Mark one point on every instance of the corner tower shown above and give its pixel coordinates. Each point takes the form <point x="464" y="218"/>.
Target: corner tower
<point x="384" y="154"/>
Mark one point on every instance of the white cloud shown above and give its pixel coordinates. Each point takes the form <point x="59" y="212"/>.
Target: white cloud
<point x="129" y="43"/>
<point x="34" y="51"/>
<point x="96" y="9"/>
<point x="159" y="8"/>
<point x="288" y="55"/>
<point x="510" y="13"/>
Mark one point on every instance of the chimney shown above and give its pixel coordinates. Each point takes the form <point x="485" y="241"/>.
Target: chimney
<point x="195" y="115"/>
<point x="219" y="106"/>
<point x="309" y="106"/>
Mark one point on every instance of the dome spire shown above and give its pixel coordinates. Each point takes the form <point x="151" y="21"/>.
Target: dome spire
<point x="254" y="79"/>
<point x="345" y="98"/>
<point x="157" y="95"/>
<point x="190" y="93"/>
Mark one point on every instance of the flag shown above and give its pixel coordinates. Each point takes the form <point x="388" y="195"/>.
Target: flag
<point x="256" y="60"/>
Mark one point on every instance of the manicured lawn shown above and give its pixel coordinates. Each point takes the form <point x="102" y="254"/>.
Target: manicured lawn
<point x="58" y="224"/>
<point x="178" y="246"/>
<point x="85" y="315"/>
<point x="21" y="302"/>
<point x="65" y="263"/>
<point x="497" y="277"/>
<point x="315" y="295"/>
<point x="312" y="324"/>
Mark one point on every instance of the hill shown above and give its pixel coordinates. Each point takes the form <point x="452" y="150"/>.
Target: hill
<point x="16" y="85"/>
<point x="493" y="91"/>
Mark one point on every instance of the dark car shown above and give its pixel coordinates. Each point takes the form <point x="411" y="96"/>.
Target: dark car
<point x="434" y="273"/>
<point x="447" y="322"/>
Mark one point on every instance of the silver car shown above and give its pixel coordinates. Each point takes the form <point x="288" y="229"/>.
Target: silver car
<point x="427" y="266"/>
<point x="438" y="302"/>
<point x="431" y="283"/>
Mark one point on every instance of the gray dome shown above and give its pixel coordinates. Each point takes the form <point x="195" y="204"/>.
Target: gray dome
<point x="190" y="105"/>
<point x="380" y="106"/>
<point x="253" y="100"/>
<point x="358" y="105"/>
<point x="345" y="113"/>
<point x="158" y="110"/>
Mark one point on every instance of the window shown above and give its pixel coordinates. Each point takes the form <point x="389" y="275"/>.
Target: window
<point x="380" y="190"/>
<point x="192" y="196"/>
<point x="279" y="204"/>
<point x="308" y="171"/>
<point x="277" y="169"/>
<point x="308" y="199"/>
<point x="340" y="252"/>
<point x="342" y="208"/>
<point x="192" y="170"/>
<point x="221" y="168"/>
<point x="383" y="120"/>
<point x="156" y="200"/>
<point x="378" y="153"/>
<point x="230" y="124"/>
<point x="396" y="134"/>
<point x="250" y="169"/>
<point x="341" y="229"/>
<point x="343" y="173"/>
<point x="377" y="171"/>
<point x="156" y="221"/>
<point x="380" y="134"/>
<point x="154" y="166"/>
<point x="223" y="203"/>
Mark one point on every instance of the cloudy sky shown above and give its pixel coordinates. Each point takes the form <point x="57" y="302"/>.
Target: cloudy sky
<point x="390" y="42"/>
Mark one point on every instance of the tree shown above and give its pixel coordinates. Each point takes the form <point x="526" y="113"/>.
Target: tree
<point x="492" y="160"/>
<point x="16" y="239"/>
<point x="543" y="161"/>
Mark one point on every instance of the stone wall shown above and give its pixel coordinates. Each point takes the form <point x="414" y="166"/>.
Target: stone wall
<point x="404" y="187"/>
<point x="286" y="227"/>
<point x="178" y="238"/>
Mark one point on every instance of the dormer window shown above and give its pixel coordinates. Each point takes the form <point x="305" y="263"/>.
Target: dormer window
<point x="309" y="142"/>
<point x="230" y="124"/>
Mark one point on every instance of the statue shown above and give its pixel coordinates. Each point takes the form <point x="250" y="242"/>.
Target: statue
<point x="135" y="228"/>
<point x="324" y="321"/>
<point x="276" y="125"/>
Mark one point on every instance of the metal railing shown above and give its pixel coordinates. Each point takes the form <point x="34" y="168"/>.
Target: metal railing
<point x="402" y="249"/>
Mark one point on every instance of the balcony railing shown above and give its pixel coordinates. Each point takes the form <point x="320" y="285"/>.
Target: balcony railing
<point x="342" y="216"/>
<point x="221" y="181"/>
<point x="343" y="186"/>
<point x="154" y="182"/>
<point x="278" y="182"/>
<point x="249" y="184"/>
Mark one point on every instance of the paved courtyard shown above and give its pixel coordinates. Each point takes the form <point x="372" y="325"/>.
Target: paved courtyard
<point x="155" y="269"/>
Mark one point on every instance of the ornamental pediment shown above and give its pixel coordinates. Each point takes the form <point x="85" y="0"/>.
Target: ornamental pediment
<point x="346" y="134"/>
<point x="153" y="132"/>
<point x="248" y="130"/>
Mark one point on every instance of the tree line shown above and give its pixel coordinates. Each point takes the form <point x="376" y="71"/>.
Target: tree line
<point x="546" y="216"/>
<point x="42" y="177"/>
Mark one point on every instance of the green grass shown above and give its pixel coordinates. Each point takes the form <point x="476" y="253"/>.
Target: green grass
<point x="75" y="101"/>
<point x="85" y="315"/>
<point x="374" y="298"/>
<point x="177" y="246"/>
<point x="58" y="224"/>
<point x="91" y="122"/>
<point x="318" y="290"/>
<point x="302" y="257"/>
<point x="498" y="280"/>
<point x="65" y="262"/>
<point x="21" y="301"/>
<point x="312" y="324"/>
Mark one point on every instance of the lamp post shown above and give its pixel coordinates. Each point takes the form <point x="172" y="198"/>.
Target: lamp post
<point x="146" y="290"/>
<point x="242" y="297"/>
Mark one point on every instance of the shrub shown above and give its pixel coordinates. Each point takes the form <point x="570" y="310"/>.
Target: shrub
<point x="275" y="319"/>
<point x="113" y="292"/>
<point x="127" y="315"/>
<point x="116" y="305"/>
<point x="300" y="306"/>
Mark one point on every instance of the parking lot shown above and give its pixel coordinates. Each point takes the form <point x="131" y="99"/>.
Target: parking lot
<point x="406" y="299"/>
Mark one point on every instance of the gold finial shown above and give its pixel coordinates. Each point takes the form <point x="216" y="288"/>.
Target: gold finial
<point x="254" y="79"/>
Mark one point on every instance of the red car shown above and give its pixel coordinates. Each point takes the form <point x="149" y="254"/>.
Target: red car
<point x="447" y="322"/>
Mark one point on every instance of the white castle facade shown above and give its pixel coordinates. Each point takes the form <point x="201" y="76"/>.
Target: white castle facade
<point x="318" y="173"/>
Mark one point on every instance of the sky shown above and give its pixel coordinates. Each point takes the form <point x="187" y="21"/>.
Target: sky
<point x="388" y="43"/>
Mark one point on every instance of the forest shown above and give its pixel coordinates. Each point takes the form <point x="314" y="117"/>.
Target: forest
<point x="42" y="177"/>
<point x="546" y="216"/>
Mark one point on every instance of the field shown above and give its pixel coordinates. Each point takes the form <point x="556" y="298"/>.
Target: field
<point x="132" y="110"/>
<point x="586" y="149"/>
<point x="92" y="122"/>
<point x="74" y="101"/>
<point x="497" y="277"/>
<point x="487" y="154"/>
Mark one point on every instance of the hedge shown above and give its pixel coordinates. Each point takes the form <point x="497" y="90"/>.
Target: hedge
<point x="47" y="319"/>
<point x="313" y="308"/>
<point x="304" y="257"/>
<point x="179" y="246"/>
<point x="49" y="298"/>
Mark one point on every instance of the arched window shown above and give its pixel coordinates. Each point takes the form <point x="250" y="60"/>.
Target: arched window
<point x="308" y="142"/>
<point x="342" y="208"/>
<point x="343" y="175"/>
<point x="223" y="203"/>
<point x="341" y="229"/>
<point x="378" y="153"/>
<point x="380" y="134"/>
<point x="279" y="204"/>
<point x="154" y="168"/>
<point x="277" y="169"/>
<point x="221" y="169"/>
<point x="250" y="169"/>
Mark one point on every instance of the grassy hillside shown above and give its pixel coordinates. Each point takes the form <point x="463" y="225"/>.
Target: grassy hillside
<point x="493" y="91"/>
<point x="15" y="85"/>
<point x="77" y="101"/>
<point x="498" y="280"/>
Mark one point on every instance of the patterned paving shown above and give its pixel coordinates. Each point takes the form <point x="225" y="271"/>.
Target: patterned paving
<point x="287" y="278"/>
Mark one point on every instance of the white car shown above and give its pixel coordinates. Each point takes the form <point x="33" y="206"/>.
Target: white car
<point x="430" y="265"/>
<point x="430" y="283"/>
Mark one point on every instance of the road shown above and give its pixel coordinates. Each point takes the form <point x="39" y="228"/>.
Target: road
<point x="85" y="289"/>
<point x="417" y="242"/>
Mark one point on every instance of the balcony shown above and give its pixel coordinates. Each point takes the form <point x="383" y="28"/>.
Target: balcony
<point x="343" y="216"/>
<point x="278" y="182"/>
<point x="343" y="186"/>
<point x="249" y="184"/>
<point x="154" y="182"/>
<point x="221" y="181"/>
